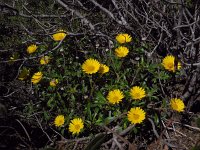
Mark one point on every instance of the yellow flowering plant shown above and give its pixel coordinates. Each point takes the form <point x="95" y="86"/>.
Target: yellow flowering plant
<point x="137" y="93"/>
<point x="76" y="125"/>
<point x="99" y="99"/>
<point x="59" y="121"/>
<point x="36" y="77"/>
<point x="169" y="63"/>
<point x="177" y="104"/>
<point x="53" y="82"/>
<point x="31" y="48"/>
<point x="85" y="91"/>
<point x="136" y="115"/>
<point x="99" y="77"/>
<point x="103" y="69"/>
<point x="115" y="96"/>
<point x="123" y="38"/>
<point x="121" y="51"/>
<point x="60" y="35"/>
<point x="90" y="66"/>
<point x="44" y="60"/>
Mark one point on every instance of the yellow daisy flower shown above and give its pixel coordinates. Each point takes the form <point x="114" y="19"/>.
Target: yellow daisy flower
<point x="121" y="51"/>
<point x="103" y="69"/>
<point x="137" y="93"/>
<point x="76" y="125"/>
<point x="59" y="120"/>
<point x="59" y="36"/>
<point x="90" y="66"/>
<point x="53" y="82"/>
<point x="168" y="63"/>
<point x="44" y="60"/>
<point x="36" y="77"/>
<point x="123" y="38"/>
<point x="115" y="96"/>
<point x="31" y="49"/>
<point x="177" y="104"/>
<point x="136" y="115"/>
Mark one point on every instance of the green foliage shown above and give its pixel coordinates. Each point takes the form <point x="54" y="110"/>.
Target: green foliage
<point x="198" y="122"/>
<point x="96" y="143"/>
<point x="78" y="94"/>
<point x="196" y="147"/>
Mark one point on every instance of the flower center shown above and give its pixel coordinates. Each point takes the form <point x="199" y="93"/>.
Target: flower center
<point x="116" y="98"/>
<point x="136" y="116"/>
<point x="77" y="127"/>
<point x="61" y="36"/>
<point x="91" y="68"/>
<point x="60" y="122"/>
<point x="175" y="106"/>
<point x="170" y="65"/>
<point x="137" y="95"/>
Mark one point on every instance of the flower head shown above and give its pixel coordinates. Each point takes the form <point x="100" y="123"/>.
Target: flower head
<point x="115" y="96"/>
<point x="177" y="104"/>
<point x="76" y="125"/>
<point x="31" y="49"/>
<point x="44" y="60"/>
<point x="137" y="92"/>
<point x="53" y="82"/>
<point x="36" y="77"/>
<point x="90" y="66"/>
<point x="103" y="69"/>
<point x="59" y="36"/>
<point x="168" y="63"/>
<point x="136" y="115"/>
<point x="59" y="120"/>
<point x="121" y="51"/>
<point x="123" y="38"/>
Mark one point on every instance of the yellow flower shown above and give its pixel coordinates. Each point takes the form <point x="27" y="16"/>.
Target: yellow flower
<point x="115" y="96"/>
<point x="168" y="63"/>
<point x="44" y="60"/>
<point x="59" y="120"/>
<point x="177" y="104"/>
<point x="31" y="49"/>
<point x="137" y="92"/>
<point x="53" y="82"/>
<point x="121" y="51"/>
<point x="59" y="36"/>
<point x="123" y="38"/>
<point x="103" y="69"/>
<point x="136" y="115"/>
<point x="36" y="77"/>
<point x="23" y="74"/>
<point x="90" y="66"/>
<point x="76" y="125"/>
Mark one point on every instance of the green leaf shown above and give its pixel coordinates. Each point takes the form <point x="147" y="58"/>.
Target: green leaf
<point x="198" y="122"/>
<point x="156" y="119"/>
<point x="96" y="143"/>
<point x="197" y="147"/>
<point x="100" y="99"/>
<point x="108" y="120"/>
<point x="46" y="115"/>
<point x="24" y="73"/>
<point x="51" y="102"/>
<point x="164" y="103"/>
<point x="135" y="130"/>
